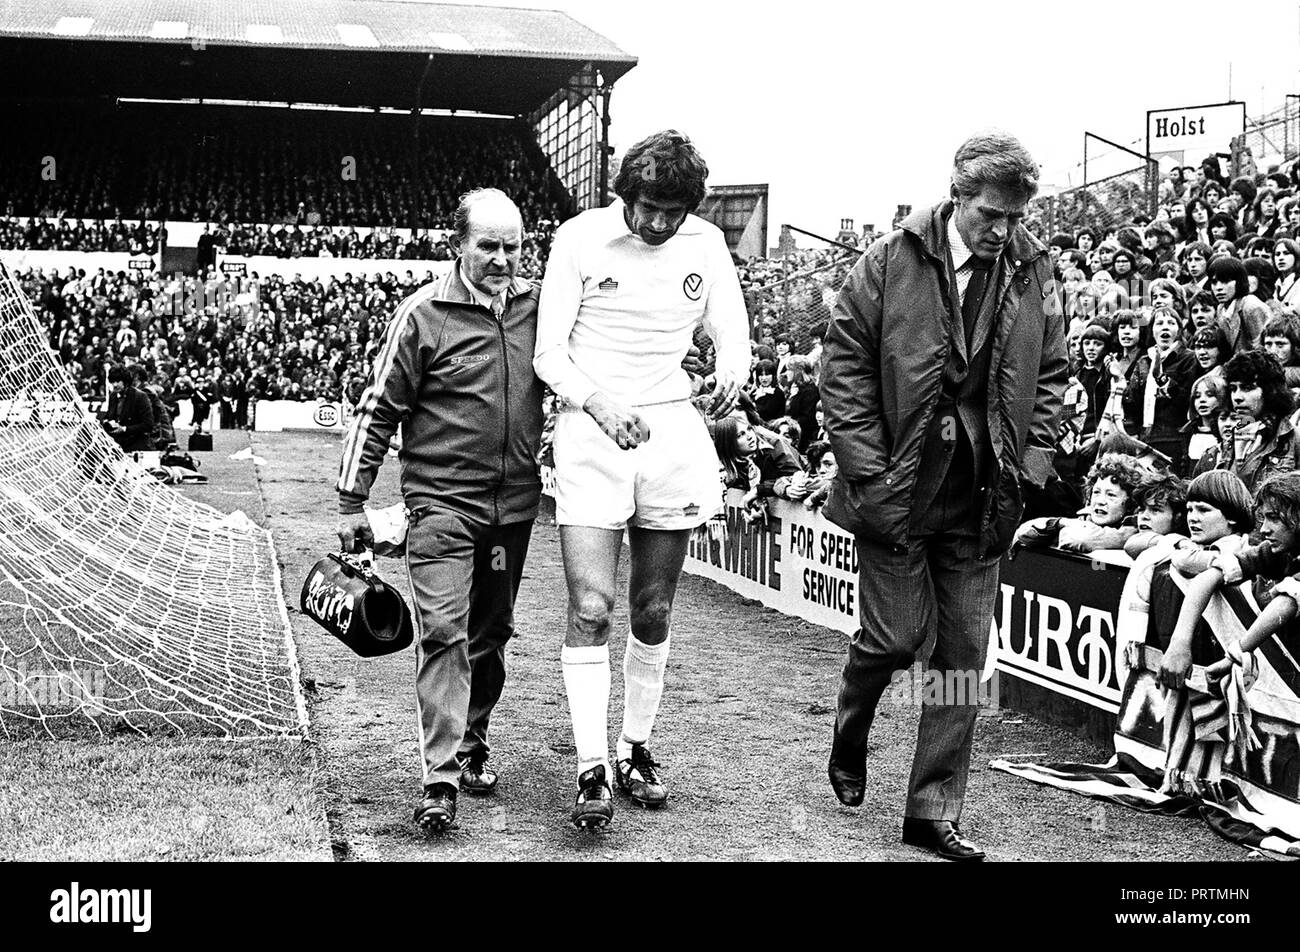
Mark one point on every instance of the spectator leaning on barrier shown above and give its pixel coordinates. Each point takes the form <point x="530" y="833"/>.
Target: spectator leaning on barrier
<point x="1106" y="522"/>
<point x="940" y="396"/>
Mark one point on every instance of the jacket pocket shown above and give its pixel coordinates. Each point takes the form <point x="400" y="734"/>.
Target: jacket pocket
<point x="875" y="507"/>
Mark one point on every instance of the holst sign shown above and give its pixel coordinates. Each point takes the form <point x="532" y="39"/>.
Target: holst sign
<point x="1199" y="130"/>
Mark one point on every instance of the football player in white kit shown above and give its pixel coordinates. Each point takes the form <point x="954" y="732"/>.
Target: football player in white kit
<point x="625" y="287"/>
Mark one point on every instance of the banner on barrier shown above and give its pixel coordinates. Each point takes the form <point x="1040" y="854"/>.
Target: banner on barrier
<point x="271" y="416"/>
<point x="1055" y="620"/>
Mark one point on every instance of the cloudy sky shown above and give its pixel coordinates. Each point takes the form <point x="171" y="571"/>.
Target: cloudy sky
<point x="847" y="109"/>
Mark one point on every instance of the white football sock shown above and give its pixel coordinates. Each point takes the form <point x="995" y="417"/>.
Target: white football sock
<point x="643" y="686"/>
<point x="586" y="681"/>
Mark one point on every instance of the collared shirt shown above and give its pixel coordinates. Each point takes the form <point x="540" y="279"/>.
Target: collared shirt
<point x="961" y="257"/>
<point x="484" y="299"/>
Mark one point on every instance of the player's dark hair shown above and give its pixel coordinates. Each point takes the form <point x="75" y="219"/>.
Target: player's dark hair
<point x="663" y="167"/>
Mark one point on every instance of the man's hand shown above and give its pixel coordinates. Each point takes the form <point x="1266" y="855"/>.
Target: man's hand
<point x="625" y="427"/>
<point x="691" y="362"/>
<point x="725" y="394"/>
<point x="1177" y="662"/>
<point x="355" y="534"/>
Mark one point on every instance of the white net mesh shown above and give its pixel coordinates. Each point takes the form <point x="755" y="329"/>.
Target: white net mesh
<point x="123" y="604"/>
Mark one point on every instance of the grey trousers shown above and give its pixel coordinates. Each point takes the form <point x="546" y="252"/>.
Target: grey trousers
<point x="938" y="586"/>
<point x="464" y="578"/>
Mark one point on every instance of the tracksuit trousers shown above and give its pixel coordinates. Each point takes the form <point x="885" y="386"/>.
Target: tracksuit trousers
<point x="464" y="577"/>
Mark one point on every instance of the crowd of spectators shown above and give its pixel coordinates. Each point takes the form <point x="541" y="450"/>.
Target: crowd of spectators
<point x="1184" y="330"/>
<point x="307" y="241"/>
<point x="219" y="341"/>
<point x="36" y="234"/>
<point x="265" y="165"/>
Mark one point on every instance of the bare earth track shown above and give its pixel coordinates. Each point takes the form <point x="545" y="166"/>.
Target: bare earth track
<point x="743" y="732"/>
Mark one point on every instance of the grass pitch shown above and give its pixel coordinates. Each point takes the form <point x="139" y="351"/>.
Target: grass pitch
<point x="83" y="795"/>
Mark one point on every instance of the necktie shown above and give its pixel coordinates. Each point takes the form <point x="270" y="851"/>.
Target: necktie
<point x="498" y="307"/>
<point x="980" y="269"/>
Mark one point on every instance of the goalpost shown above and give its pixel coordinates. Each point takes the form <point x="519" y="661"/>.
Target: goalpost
<point x="123" y="603"/>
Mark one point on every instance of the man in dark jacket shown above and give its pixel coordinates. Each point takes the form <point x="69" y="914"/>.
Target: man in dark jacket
<point x="942" y="377"/>
<point x="132" y="424"/>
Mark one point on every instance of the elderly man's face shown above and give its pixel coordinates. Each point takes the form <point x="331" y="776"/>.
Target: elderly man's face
<point x="491" y="248"/>
<point x="986" y="221"/>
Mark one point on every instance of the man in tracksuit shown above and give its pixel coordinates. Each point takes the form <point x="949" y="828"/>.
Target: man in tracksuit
<point x="455" y="373"/>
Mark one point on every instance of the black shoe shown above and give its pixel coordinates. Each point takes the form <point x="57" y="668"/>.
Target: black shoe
<point x="475" y="775"/>
<point x="595" y="804"/>
<point x="437" y="811"/>
<point x="638" y="778"/>
<point x="942" y="837"/>
<point x="847" y="770"/>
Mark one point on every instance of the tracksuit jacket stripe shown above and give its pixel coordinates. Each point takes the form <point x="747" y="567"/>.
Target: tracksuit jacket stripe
<point x="355" y="449"/>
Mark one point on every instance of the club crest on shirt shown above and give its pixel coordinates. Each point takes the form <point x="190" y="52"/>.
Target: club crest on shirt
<point x="693" y="286"/>
<point x="609" y="284"/>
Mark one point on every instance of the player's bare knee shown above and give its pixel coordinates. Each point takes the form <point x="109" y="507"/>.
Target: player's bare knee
<point x="590" y="617"/>
<point x="650" y="620"/>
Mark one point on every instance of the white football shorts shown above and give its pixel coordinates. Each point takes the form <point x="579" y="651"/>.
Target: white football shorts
<point x="669" y="482"/>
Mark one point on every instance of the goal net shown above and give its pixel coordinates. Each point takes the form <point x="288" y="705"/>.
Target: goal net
<point x="123" y="604"/>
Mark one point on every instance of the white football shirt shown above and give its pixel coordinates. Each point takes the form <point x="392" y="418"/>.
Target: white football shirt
<point x="617" y="315"/>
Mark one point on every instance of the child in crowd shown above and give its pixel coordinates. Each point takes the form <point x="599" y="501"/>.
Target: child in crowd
<point x="1211" y="349"/>
<point x="1105" y="521"/>
<point x="1259" y="439"/>
<point x="1203" y="309"/>
<point x="1240" y="314"/>
<point x="1286" y="261"/>
<point x="1126" y="348"/>
<point x="1281" y="338"/>
<point x="1218" y="513"/>
<point x="821" y="471"/>
<point x="769" y="399"/>
<point x="1272" y="567"/>
<point x="1161" y="513"/>
<point x="1208" y="403"/>
<point x="1092" y="374"/>
<point x="1155" y="392"/>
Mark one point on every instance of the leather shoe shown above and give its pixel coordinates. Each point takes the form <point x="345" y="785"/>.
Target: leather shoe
<point x="437" y="811"/>
<point x="847" y="770"/>
<point x="475" y="775"/>
<point x="942" y="837"/>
